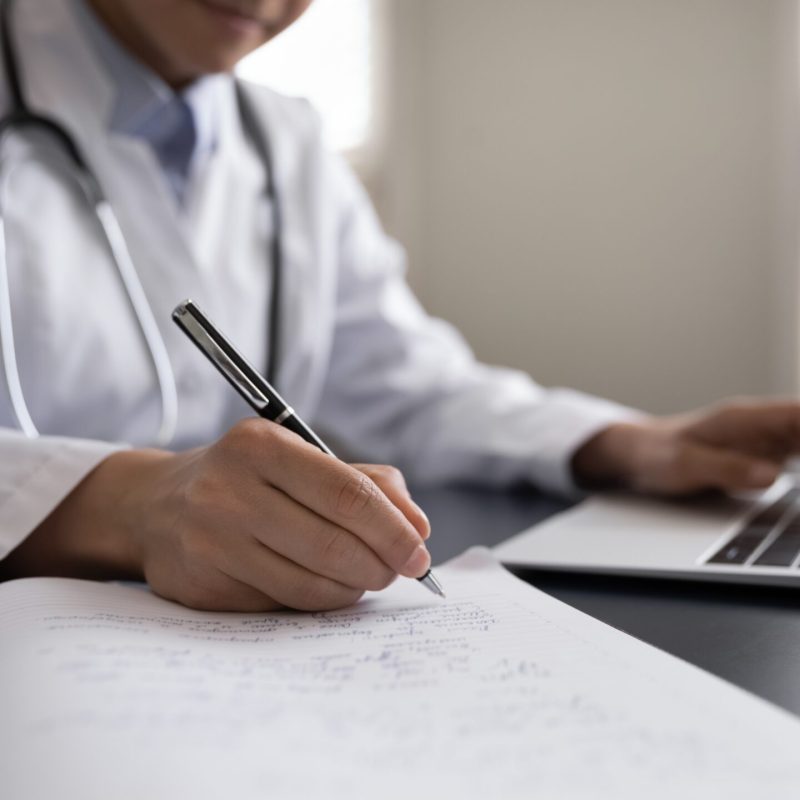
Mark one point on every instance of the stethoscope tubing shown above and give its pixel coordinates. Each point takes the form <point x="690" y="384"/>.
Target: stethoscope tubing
<point x="21" y="117"/>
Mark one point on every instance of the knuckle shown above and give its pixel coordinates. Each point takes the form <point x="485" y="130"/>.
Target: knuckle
<point x="278" y="449"/>
<point x="384" y="475"/>
<point x="394" y="472"/>
<point x="355" y="496"/>
<point x="391" y="474"/>
<point x="402" y="544"/>
<point x="251" y="435"/>
<point x="258" y="442"/>
<point x="244" y="432"/>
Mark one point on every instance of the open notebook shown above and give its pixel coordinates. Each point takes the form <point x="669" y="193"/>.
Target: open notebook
<point x="500" y="691"/>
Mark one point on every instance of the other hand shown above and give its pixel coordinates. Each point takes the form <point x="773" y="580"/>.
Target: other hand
<point x="735" y="446"/>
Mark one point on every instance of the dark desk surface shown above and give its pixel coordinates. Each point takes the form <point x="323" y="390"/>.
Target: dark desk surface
<point x="748" y="635"/>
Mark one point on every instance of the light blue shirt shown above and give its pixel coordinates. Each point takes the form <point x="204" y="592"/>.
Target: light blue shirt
<point x="182" y="128"/>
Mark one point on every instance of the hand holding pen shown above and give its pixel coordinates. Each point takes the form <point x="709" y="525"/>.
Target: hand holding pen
<point x="256" y="521"/>
<point x="368" y="516"/>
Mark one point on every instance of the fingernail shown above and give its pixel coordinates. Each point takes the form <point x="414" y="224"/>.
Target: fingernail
<point x="419" y="562"/>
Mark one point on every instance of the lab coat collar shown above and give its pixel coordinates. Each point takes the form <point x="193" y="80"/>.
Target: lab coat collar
<point x="59" y="74"/>
<point x="65" y="80"/>
<point x="139" y="94"/>
<point x="143" y="102"/>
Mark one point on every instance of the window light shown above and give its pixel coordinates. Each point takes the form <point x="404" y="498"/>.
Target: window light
<point x="326" y="57"/>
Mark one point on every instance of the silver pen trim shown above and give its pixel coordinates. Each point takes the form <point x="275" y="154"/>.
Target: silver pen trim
<point x="284" y="415"/>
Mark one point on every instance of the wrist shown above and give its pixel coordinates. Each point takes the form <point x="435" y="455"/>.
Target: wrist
<point x="95" y="532"/>
<point x="115" y="498"/>
<point x="608" y="459"/>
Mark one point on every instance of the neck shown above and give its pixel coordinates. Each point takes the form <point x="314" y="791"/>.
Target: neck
<point x="134" y="37"/>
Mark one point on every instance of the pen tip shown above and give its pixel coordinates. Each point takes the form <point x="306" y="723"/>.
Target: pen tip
<point x="431" y="582"/>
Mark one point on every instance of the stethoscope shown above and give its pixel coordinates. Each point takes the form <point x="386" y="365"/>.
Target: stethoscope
<point x="22" y="118"/>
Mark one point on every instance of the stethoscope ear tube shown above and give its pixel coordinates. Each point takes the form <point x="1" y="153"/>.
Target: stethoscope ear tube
<point x="20" y="117"/>
<point x="148" y="326"/>
<point x="7" y="349"/>
<point x="109" y="229"/>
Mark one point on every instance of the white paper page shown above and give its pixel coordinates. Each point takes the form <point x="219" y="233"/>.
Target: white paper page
<point x="500" y="691"/>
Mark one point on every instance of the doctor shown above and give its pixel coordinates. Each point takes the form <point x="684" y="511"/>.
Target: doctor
<point x="230" y="514"/>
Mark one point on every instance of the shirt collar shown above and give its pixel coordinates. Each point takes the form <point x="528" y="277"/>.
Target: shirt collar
<point x="142" y="98"/>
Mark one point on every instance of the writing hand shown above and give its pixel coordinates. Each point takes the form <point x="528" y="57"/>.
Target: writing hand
<point x="257" y="521"/>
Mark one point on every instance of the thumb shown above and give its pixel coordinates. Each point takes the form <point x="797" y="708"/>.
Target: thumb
<point x="705" y="467"/>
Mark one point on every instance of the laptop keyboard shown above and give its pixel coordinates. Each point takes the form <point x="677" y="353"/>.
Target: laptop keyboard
<point x="771" y="538"/>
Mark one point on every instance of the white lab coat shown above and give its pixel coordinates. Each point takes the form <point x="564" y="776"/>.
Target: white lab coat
<point x="361" y="360"/>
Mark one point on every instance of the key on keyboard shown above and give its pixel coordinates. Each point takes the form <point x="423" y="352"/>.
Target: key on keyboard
<point x="784" y="550"/>
<point x="739" y="549"/>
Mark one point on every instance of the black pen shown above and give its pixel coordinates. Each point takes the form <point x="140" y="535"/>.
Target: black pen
<point x="254" y="388"/>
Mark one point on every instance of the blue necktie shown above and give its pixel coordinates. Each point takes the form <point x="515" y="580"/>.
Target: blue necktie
<point x="173" y="135"/>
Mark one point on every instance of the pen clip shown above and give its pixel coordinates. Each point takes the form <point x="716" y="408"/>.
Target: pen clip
<point x="220" y="359"/>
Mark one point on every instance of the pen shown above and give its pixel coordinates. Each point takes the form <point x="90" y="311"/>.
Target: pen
<point x="254" y="388"/>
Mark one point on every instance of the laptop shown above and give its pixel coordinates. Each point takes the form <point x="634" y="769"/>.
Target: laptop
<point x="749" y="539"/>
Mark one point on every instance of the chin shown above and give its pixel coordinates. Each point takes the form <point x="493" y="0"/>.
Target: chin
<point x="218" y="58"/>
<point x="210" y="64"/>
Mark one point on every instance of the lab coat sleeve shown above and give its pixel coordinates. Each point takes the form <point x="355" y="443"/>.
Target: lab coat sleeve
<point x="36" y="475"/>
<point x="404" y="388"/>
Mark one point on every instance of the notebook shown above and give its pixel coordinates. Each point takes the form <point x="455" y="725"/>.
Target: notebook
<point x="108" y="691"/>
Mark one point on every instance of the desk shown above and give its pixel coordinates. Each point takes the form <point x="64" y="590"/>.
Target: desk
<point x="747" y="635"/>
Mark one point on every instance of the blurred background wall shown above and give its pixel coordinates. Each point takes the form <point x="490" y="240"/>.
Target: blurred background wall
<point x="601" y="193"/>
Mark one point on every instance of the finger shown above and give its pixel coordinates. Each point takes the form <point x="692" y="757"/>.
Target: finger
<point x="699" y="467"/>
<point x="769" y="430"/>
<point x="321" y="546"/>
<point x="288" y="583"/>
<point x="216" y="591"/>
<point x="392" y="483"/>
<point x="335" y="491"/>
<point x="238" y="596"/>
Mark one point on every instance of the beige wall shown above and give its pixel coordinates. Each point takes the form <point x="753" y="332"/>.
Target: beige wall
<point x="602" y="193"/>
